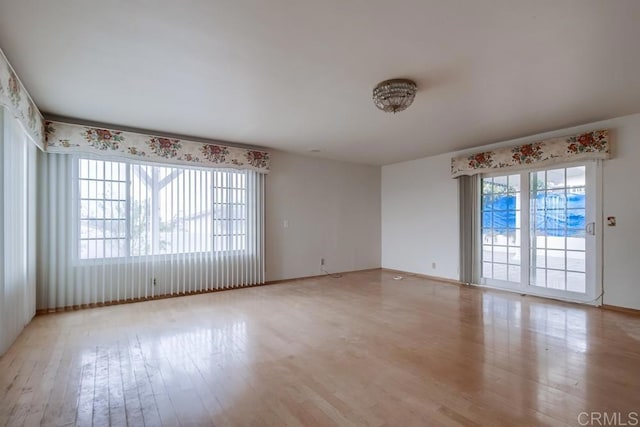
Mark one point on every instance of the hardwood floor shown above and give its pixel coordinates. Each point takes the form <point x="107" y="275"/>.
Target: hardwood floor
<point x="360" y="350"/>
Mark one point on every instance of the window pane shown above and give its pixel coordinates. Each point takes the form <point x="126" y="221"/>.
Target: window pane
<point x="575" y="243"/>
<point x="576" y="282"/>
<point x="539" y="279"/>
<point x="556" y="242"/>
<point x="538" y="258"/>
<point x="513" y="237"/>
<point x="555" y="178"/>
<point x="84" y="229"/>
<point x="514" y="273"/>
<point x="487" y="252"/>
<point x="575" y="219"/>
<point x="538" y="181"/>
<point x="84" y="249"/>
<point x="487" y="185"/>
<point x="487" y="204"/>
<point x="98" y="190"/>
<point x="83" y="168"/>
<point x="500" y="272"/>
<point x="539" y="221"/>
<point x="555" y="199"/>
<point x="514" y="255"/>
<point x="555" y="279"/>
<point x="486" y="270"/>
<point x="220" y="243"/>
<point x="500" y="182"/>
<point x="538" y="201"/>
<point x="99" y="169"/>
<point x="92" y="169"/>
<point x="514" y="182"/>
<point x="487" y="220"/>
<point x="500" y="254"/>
<point x="555" y="259"/>
<point x="84" y="189"/>
<point x="576" y="199"/>
<point x="576" y="177"/>
<point x="111" y="229"/>
<point x="576" y="261"/>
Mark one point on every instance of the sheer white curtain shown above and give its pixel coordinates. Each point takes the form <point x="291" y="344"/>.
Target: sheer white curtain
<point x="17" y="229"/>
<point x="119" y="230"/>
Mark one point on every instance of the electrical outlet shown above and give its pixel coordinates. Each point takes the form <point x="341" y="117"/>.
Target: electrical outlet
<point x="154" y="281"/>
<point x="433" y="265"/>
<point x="321" y="261"/>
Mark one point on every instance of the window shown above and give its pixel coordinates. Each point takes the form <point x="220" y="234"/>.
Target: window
<point x="103" y="208"/>
<point x="558" y="238"/>
<point x="538" y="231"/>
<point x="501" y="228"/>
<point x="140" y="210"/>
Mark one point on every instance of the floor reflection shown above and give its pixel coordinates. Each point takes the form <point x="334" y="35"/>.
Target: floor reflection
<point x="539" y="349"/>
<point x="364" y="349"/>
<point x="201" y="343"/>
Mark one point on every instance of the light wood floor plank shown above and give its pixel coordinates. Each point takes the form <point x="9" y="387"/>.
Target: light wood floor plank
<point x="360" y="350"/>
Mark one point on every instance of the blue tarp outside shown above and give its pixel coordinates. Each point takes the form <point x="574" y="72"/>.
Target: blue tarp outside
<point x="499" y="213"/>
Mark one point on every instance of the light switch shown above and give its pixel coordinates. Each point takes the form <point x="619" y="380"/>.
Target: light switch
<point x="285" y="223"/>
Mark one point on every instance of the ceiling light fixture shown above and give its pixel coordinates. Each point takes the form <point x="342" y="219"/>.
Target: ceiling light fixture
<point x="394" y="95"/>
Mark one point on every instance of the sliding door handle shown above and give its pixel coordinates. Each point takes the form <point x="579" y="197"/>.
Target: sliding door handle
<point x="591" y="228"/>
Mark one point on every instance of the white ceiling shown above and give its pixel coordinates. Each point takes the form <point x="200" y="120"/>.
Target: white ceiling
<point x="297" y="75"/>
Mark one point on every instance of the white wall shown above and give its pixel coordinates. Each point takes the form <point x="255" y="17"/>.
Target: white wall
<point x="332" y="209"/>
<point x="420" y="212"/>
<point x="418" y="228"/>
<point x="622" y="200"/>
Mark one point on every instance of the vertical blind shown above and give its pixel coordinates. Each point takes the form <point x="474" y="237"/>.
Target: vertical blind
<point x="17" y="229"/>
<point x="117" y="231"/>
<point x="468" y="204"/>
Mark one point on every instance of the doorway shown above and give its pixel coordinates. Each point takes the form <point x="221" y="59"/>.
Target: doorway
<point x="538" y="231"/>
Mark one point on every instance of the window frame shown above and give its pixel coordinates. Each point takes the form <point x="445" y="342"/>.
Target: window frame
<point x="77" y="206"/>
<point x="594" y="281"/>
<point x="232" y="229"/>
<point x="519" y="230"/>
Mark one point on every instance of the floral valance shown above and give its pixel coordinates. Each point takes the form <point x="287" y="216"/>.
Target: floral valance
<point x="590" y="145"/>
<point x="14" y="97"/>
<point x="70" y="138"/>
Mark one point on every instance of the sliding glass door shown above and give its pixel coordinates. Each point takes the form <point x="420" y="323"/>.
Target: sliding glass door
<point x="538" y="233"/>
<point x="502" y="230"/>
